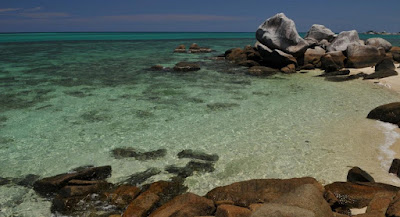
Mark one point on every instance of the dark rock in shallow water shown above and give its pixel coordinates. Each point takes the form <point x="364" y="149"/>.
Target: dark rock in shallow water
<point x="221" y="106"/>
<point x="395" y="167"/>
<point x="345" y="78"/>
<point x="279" y="32"/>
<point x="190" y="168"/>
<point x="194" y="48"/>
<point x="157" y="68"/>
<point x="140" y="177"/>
<point x="336" y="73"/>
<point x="356" y="174"/>
<point x="119" y="153"/>
<point x="197" y="155"/>
<point x="80" y="188"/>
<point x="53" y="184"/>
<point x="186" y="67"/>
<point x="27" y="181"/>
<point x="386" y="113"/>
<point x="4" y="181"/>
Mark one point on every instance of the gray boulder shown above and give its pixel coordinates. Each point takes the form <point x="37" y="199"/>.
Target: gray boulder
<point x="359" y="56"/>
<point x="279" y="32"/>
<point x="343" y="40"/>
<point x="379" y="42"/>
<point x="319" y="32"/>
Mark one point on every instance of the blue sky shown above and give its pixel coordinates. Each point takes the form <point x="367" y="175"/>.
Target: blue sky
<point x="193" y="15"/>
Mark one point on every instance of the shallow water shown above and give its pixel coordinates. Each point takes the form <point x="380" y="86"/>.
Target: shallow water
<point x="68" y="104"/>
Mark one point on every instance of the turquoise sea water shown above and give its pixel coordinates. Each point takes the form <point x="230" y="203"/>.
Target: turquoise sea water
<point x="68" y="103"/>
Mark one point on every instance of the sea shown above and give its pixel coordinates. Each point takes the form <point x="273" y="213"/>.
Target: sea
<point x="68" y="99"/>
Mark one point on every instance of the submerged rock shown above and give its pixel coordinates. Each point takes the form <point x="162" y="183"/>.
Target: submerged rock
<point x="140" y="177"/>
<point x="190" y="168"/>
<point x="356" y="174"/>
<point x="189" y="153"/>
<point x="386" y="113"/>
<point x="279" y="32"/>
<point x="127" y="152"/>
<point x="186" y="67"/>
<point x="221" y="106"/>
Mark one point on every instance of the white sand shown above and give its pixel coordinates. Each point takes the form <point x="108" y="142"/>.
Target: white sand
<point x="392" y="82"/>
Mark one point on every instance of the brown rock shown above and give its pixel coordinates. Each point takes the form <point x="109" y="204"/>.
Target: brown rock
<point x="82" y="190"/>
<point x="335" y="214"/>
<point x="194" y="46"/>
<point x="55" y="183"/>
<point x="308" y="197"/>
<point x="380" y="203"/>
<point x="236" y="55"/>
<point x="232" y="211"/>
<point x="123" y="195"/>
<point x="180" y="49"/>
<point x="157" y="68"/>
<point x="185" y="205"/>
<point x="356" y="174"/>
<point x="313" y="56"/>
<point x="395" y="51"/>
<point x="332" y="61"/>
<point x="186" y="67"/>
<point x="394" y="207"/>
<point x="142" y="205"/>
<point x="386" y="113"/>
<point x="383" y="69"/>
<point x="253" y="207"/>
<point x="359" y="56"/>
<point x="221" y="202"/>
<point x="358" y="195"/>
<point x="289" y="69"/>
<point x="261" y="71"/>
<point x="258" y="190"/>
<point x="279" y="210"/>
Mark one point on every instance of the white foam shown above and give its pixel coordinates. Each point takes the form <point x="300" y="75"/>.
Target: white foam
<point x="391" y="136"/>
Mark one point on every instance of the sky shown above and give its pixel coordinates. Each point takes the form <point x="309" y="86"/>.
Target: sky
<point x="193" y="15"/>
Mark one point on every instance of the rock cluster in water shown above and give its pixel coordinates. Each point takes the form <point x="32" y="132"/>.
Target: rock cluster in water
<point x="279" y="47"/>
<point x="85" y="192"/>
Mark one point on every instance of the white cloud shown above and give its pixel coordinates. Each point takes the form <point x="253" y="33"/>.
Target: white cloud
<point x="34" y="9"/>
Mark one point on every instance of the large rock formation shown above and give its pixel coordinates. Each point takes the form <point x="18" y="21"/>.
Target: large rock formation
<point x="319" y="32"/>
<point x="279" y="32"/>
<point x="379" y="42"/>
<point x="343" y="40"/>
<point x="383" y="69"/>
<point x="359" y="56"/>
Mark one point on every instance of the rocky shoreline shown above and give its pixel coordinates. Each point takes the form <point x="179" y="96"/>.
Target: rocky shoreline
<point x="85" y="191"/>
